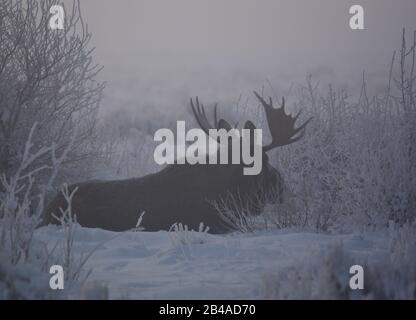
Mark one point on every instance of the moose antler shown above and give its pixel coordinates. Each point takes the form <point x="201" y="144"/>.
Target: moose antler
<point x="201" y="117"/>
<point x="281" y="125"/>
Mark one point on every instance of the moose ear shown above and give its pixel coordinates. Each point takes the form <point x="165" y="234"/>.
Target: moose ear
<point x="222" y="124"/>
<point x="249" y="125"/>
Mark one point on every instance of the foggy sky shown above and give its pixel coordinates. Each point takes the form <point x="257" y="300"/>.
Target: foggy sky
<point x="220" y="42"/>
<point x="304" y="34"/>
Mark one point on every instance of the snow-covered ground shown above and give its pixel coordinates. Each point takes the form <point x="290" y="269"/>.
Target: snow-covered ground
<point x="188" y="265"/>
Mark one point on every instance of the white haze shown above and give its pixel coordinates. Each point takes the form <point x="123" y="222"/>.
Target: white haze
<point x="157" y="54"/>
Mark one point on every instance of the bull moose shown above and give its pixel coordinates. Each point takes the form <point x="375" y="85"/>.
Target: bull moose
<point x="183" y="193"/>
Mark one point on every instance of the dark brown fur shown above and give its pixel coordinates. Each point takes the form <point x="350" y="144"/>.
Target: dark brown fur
<point x="184" y="193"/>
<point x="178" y="193"/>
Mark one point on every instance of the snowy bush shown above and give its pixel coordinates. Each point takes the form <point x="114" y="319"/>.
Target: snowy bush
<point x="356" y="165"/>
<point x="49" y="78"/>
<point x="183" y="238"/>
<point x="237" y="215"/>
<point x="395" y="277"/>
<point x="49" y="102"/>
<point x="356" y="170"/>
<point x="25" y="261"/>
<point x="19" y="214"/>
<point x="72" y="261"/>
<point x="24" y="281"/>
<point x="325" y="274"/>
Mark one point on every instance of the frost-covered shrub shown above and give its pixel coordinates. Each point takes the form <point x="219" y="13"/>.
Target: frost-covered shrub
<point x="23" y="281"/>
<point x="325" y="275"/>
<point x="20" y="215"/>
<point x="180" y="233"/>
<point x="24" y="260"/>
<point x="127" y="151"/>
<point x="395" y="277"/>
<point x="237" y="215"/>
<point x="321" y="276"/>
<point x="183" y="238"/>
<point x="50" y="78"/>
<point x="72" y="262"/>
<point x="356" y="165"/>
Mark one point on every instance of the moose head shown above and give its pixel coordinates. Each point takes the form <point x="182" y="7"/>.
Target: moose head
<point x="186" y="193"/>
<point x="281" y="125"/>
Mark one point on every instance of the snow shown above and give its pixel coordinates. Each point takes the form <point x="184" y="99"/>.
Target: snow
<point x="158" y="265"/>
